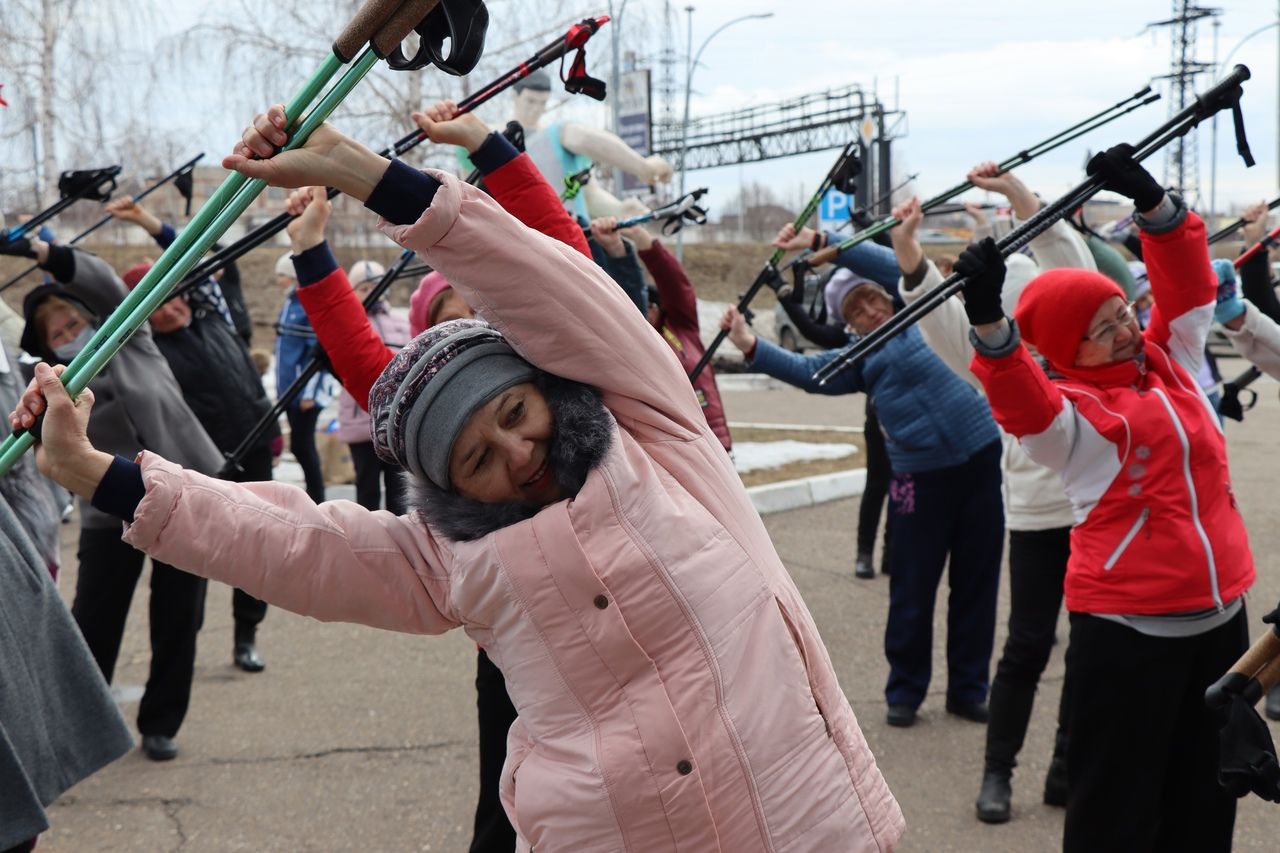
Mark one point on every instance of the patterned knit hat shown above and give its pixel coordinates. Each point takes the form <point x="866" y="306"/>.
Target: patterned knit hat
<point x="426" y="394"/>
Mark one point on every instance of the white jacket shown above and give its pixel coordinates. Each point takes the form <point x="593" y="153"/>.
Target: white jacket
<point x="1257" y="341"/>
<point x="1033" y="495"/>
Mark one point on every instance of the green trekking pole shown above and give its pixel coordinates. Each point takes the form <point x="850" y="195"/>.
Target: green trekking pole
<point x="385" y="23"/>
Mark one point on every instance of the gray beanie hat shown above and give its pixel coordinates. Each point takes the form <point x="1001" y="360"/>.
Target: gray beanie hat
<point x="424" y="397"/>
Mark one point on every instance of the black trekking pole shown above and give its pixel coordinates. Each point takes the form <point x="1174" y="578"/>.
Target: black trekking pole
<point x="1226" y="232"/>
<point x="184" y="169"/>
<point x="578" y="81"/>
<point x="1231" y="405"/>
<point x="862" y="215"/>
<point x="842" y="172"/>
<point x="319" y="361"/>
<point x="1110" y="114"/>
<point x="1225" y="94"/>
<point x="72" y="187"/>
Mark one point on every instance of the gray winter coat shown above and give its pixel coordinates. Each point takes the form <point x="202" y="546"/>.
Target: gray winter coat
<point x="137" y="402"/>
<point x="58" y="723"/>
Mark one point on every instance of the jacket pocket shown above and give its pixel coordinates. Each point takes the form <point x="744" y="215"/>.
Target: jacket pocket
<point x="804" y="662"/>
<point x="1128" y="538"/>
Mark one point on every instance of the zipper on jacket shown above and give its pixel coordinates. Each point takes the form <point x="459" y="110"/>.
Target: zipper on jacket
<point x="1128" y="537"/>
<point x="1195" y="501"/>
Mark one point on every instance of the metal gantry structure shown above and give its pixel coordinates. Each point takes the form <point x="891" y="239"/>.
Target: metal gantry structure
<point x="812" y="122"/>
<point x="1182" y="158"/>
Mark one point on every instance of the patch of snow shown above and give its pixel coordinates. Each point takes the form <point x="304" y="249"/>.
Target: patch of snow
<point x="755" y="455"/>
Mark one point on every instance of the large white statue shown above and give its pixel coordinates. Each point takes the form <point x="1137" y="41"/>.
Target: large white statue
<point x="565" y="148"/>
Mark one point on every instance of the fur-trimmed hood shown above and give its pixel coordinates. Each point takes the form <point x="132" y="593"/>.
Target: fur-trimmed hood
<point x="582" y="438"/>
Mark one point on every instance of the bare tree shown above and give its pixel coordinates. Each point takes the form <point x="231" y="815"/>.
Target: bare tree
<point x="74" y="79"/>
<point x="756" y="212"/>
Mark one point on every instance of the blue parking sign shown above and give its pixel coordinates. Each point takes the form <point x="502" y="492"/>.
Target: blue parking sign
<point x="834" y="210"/>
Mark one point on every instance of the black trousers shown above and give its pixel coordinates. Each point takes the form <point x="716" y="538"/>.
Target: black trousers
<point x="493" y="831"/>
<point x="302" y="444"/>
<point x="109" y="571"/>
<point x="1037" y="567"/>
<point x="1143" y="760"/>
<point x="371" y="474"/>
<point x="877" y="488"/>
<point x="247" y="610"/>
<point x="950" y="518"/>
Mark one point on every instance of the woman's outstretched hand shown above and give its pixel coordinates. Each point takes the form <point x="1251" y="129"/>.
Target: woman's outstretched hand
<point x="64" y="453"/>
<point x="328" y="158"/>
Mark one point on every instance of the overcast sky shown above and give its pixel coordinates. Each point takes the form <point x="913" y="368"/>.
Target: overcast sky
<point x="978" y="80"/>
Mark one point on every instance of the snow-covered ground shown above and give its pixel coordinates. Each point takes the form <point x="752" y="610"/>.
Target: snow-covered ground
<point x="757" y="455"/>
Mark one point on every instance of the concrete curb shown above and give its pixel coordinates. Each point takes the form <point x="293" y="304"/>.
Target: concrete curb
<point x="748" y="382"/>
<point x="807" y="491"/>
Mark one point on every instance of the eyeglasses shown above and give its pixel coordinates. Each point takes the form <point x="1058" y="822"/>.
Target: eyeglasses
<point x="1106" y="333"/>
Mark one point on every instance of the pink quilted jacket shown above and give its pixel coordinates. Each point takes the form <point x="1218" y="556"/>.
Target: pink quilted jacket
<point x="673" y="691"/>
<point x="353" y="420"/>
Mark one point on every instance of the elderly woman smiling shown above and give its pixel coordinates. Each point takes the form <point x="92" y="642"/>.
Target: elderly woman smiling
<point x="575" y="515"/>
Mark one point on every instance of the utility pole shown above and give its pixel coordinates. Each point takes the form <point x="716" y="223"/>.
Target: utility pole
<point x="1181" y="164"/>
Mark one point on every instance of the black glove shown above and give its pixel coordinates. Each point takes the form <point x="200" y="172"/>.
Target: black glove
<point x="19" y="248"/>
<point x="983" y="266"/>
<point x="1246" y="753"/>
<point x="1124" y="175"/>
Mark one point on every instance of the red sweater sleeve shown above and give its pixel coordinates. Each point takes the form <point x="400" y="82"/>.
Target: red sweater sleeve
<point x="353" y="345"/>
<point x="675" y="291"/>
<point x="524" y="193"/>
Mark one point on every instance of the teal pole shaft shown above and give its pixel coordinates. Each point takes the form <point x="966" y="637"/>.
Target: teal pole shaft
<point x="222" y="209"/>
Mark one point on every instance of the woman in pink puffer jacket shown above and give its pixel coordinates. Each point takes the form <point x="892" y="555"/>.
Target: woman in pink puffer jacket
<point x="576" y="517"/>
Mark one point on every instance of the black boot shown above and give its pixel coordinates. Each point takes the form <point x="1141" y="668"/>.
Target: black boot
<point x="1272" y="709"/>
<point x="864" y="567"/>
<point x="245" y="654"/>
<point x="993" y="799"/>
<point x="1055" y="781"/>
<point x="1010" y="707"/>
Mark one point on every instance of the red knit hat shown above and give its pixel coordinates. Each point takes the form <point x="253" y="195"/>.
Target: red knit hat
<point x="1055" y="310"/>
<point x="134" y="274"/>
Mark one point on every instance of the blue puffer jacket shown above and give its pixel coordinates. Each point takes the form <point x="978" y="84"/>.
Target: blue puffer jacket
<point x="930" y="417"/>
<point x="294" y="342"/>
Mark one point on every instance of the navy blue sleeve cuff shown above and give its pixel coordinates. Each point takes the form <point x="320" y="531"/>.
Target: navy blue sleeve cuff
<point x="315" y="263"/>
<point x="166" y="236"/>
<point x="403" y="194"/>
<point x="121" y="489"/>
<point x="495" y="152"/>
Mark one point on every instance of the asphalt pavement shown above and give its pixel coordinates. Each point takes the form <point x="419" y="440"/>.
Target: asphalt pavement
<point x="356" y="739"/>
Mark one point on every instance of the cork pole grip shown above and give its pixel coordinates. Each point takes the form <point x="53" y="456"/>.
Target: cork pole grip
<point x="400" y="25"/>
<point x="822" y="256"/>
<point x="1270" y="676"/>
<point x="363" y="27"/>
<point x="1264" y="651"/>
